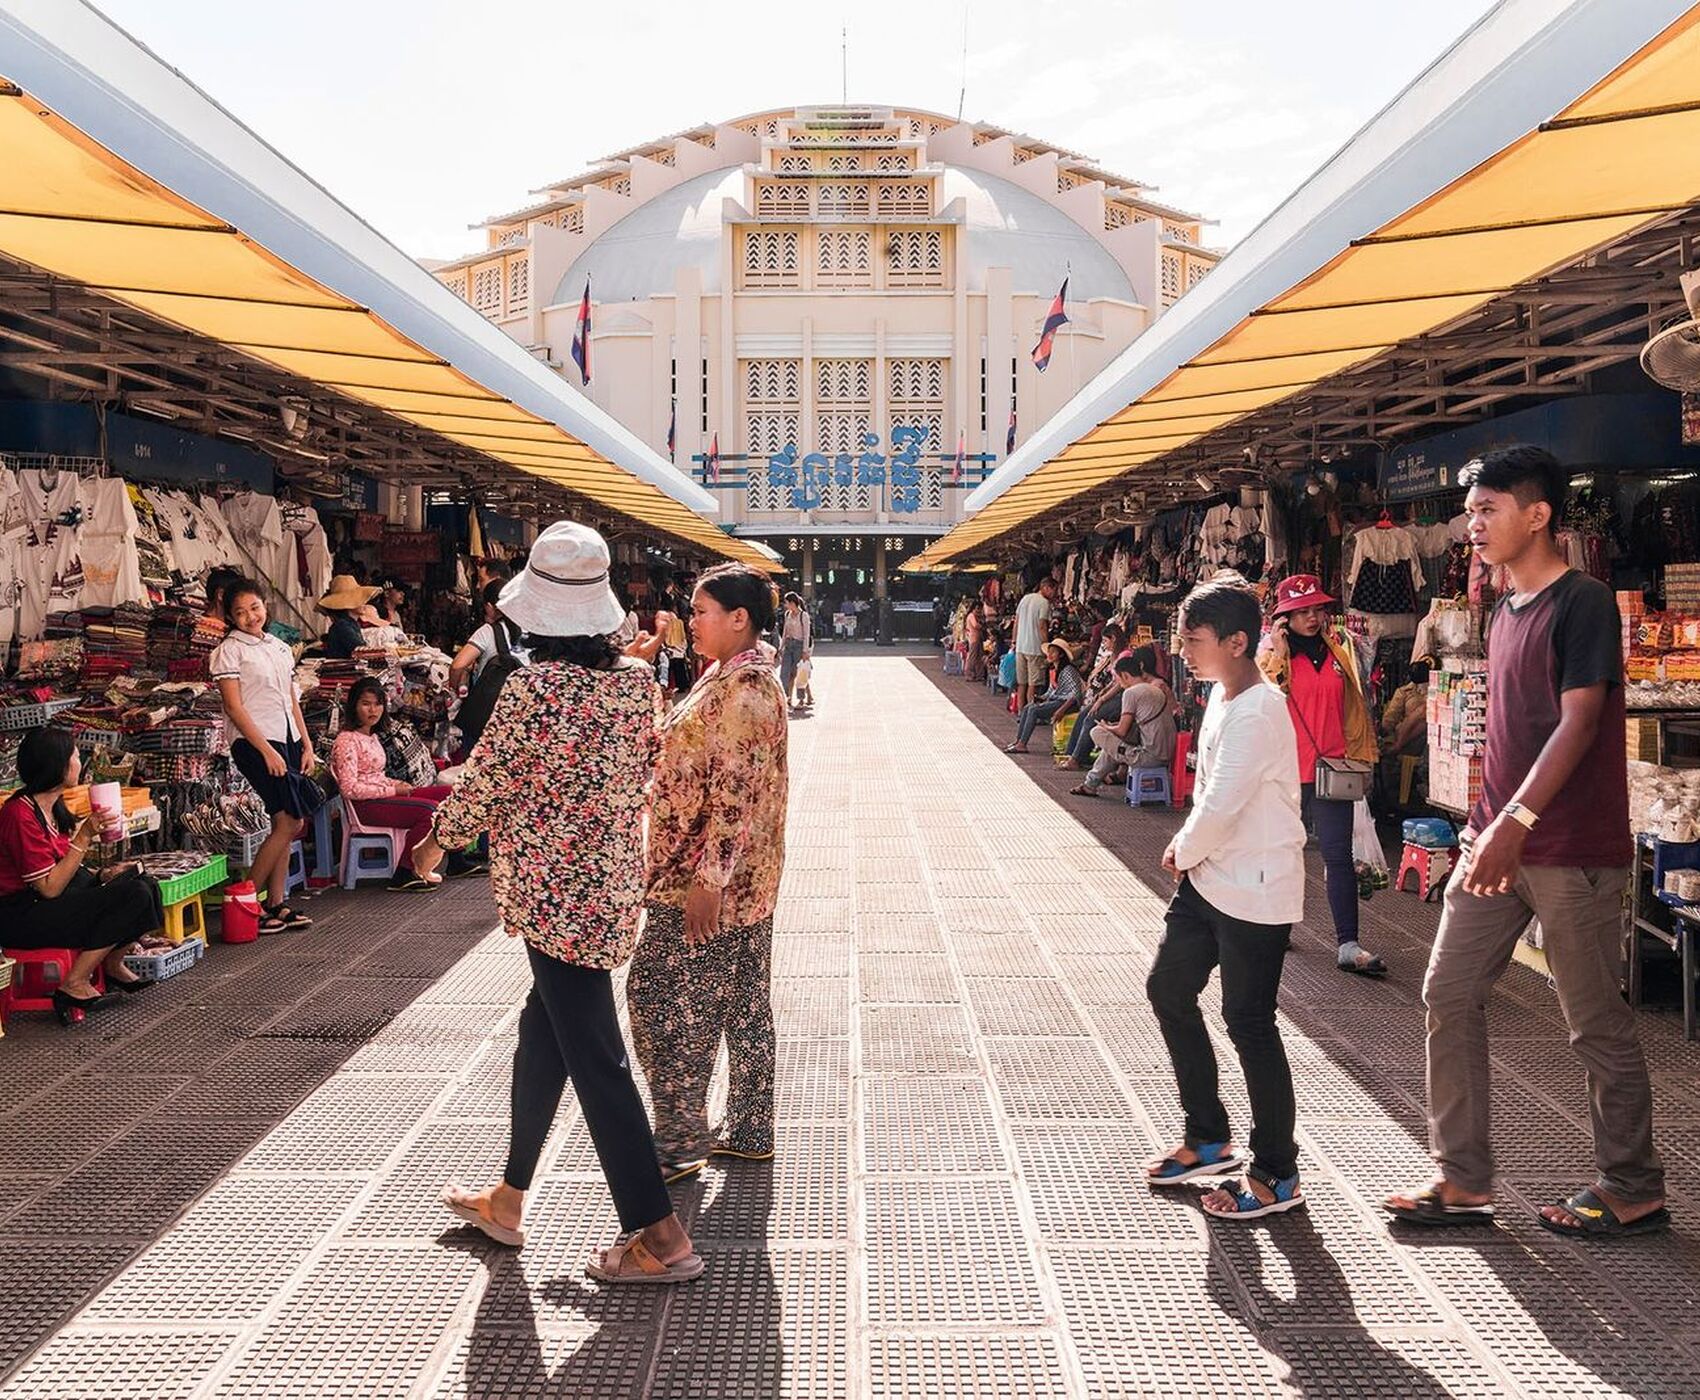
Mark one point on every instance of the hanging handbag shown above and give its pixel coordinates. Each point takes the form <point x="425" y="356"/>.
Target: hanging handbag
<point x="1337" y="779"/>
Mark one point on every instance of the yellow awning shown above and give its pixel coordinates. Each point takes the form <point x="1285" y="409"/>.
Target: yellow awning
<point x="72" y="207"/>
<point x="1624" y="154"/>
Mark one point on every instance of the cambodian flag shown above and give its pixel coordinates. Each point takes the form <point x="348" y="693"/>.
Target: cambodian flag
<point x="711" y="467"/>
<point x="673" y="432"/>
<point x="1009" y="437"/>
<point x="960" y="458"/>
<point x="581" y="336"/>
<point x="1053" y="323"/>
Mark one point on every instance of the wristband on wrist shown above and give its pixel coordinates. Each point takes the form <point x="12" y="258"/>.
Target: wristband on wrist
<point x="1521" y="815"/>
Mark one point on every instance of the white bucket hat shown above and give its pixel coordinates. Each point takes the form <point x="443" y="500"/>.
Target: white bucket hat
<point x="563" y="590"/>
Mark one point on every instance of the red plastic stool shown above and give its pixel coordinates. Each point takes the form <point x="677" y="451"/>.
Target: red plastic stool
<point x="38" y="975"/>
<point x="1182" y="777"/>
<point x="1430" y="864"/>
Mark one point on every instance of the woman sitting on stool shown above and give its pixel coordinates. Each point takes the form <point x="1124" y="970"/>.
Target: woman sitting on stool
<point x="47" y="900"/>
<point x="357" y="759"/>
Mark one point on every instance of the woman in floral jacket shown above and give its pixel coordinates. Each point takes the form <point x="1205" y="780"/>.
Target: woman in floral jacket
<point x="558" y="780"/>
<point x="716" y="851"/>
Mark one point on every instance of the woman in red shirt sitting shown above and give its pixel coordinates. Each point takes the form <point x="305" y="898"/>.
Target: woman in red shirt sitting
<point x="47" y="899"/>
<point x="357" y="759"/>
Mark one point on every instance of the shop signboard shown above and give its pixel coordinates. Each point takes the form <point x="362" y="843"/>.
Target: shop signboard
<point x="1589" y="432"/>
<point x="1411" y="474"/>
<point x="369" y="527"/>
<point x="411" y="550"/>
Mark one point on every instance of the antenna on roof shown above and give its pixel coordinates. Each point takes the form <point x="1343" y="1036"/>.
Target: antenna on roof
<point x="844" y="64"/>
<point x="962" y="92"/>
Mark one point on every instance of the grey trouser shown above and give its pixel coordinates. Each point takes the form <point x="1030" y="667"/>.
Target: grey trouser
<point x="1113" y="750"/>
<point x="1581" y="923"/>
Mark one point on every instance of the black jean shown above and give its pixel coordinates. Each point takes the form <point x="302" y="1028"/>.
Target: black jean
<point x="1196" y="938"/>
<point x="1080" y="743"/>
<point x="569" y="1029"/>
<point x="1332" y="822"/>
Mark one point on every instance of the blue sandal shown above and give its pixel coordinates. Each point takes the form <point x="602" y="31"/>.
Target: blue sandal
<point x="1214" y="1159"/>
<point x="1247" y="1206"/>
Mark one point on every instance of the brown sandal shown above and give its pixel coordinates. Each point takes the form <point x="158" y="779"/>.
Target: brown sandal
<point x="610" y="1265"/>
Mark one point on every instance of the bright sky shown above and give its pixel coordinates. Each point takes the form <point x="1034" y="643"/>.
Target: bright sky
<point x="426" y="116"/>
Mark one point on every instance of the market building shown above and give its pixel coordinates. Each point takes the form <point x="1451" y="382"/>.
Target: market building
<point x="774" y="297"/>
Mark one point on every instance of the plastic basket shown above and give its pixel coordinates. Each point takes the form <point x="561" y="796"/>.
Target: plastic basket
<point x="181" y="887"/>
<point x="32" y="716"/>
<point x="242" y="849"/>
<point x="168" y="964"/>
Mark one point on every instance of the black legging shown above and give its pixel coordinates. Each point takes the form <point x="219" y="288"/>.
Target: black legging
<point x="569" y="1029"/>
<point x="86" y="914"/>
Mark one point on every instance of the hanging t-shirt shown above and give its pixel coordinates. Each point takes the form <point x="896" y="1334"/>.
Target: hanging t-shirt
<point x="111" y="561"/>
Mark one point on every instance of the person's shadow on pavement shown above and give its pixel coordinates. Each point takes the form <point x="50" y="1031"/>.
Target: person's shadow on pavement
<point x="719" y="1335"/>
<point x="1334" y="1352"/>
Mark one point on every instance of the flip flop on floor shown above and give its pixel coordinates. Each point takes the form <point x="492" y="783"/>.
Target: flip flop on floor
<point x="1370" y="966"/>
<point x="1214" y="1159"/>
<point x="1428" y="1207"/>
<point x="725" y="1149"/>
<point x="1248" y="1206"/>
<point x="464" y="1205"/>
<point x="609" y="1265"/>
<point x="1596" y="1219"/>
<point x="1014" y="748"/>
<point x="1082" y="790"/>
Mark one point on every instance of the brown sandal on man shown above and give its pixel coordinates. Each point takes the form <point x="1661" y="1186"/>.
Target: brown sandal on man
<point x="647" y="1266"/>
<point x="470" y="1207"/>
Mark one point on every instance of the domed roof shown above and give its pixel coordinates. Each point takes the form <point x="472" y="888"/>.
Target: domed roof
<point x="1007" y="226"/>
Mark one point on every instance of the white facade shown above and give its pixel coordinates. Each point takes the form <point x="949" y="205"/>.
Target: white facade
<point x="814" y="279"/>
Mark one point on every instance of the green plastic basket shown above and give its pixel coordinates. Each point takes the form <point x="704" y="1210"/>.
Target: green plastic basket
<point x="181" y="887"/>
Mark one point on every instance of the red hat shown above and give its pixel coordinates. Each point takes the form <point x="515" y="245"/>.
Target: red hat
<point x="1299" y="592"/>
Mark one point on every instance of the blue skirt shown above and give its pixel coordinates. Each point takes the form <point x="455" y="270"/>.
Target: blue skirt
<point x="292" y="793"/>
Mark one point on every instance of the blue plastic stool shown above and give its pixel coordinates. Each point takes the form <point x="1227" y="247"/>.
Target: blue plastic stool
<point x="367" y="855"/>
<point x="1148" y="785"/>
<point x="324" y="851"/>
<point x="296" y="876"/>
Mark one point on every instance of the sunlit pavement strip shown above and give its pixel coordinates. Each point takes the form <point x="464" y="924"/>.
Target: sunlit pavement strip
<point x="970" y="1081"/>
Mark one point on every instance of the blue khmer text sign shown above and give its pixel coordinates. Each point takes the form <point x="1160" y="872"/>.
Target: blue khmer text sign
<point x="806" y="479"/>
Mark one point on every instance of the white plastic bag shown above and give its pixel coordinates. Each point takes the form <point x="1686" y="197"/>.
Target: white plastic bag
<point x="1366" y="844"/>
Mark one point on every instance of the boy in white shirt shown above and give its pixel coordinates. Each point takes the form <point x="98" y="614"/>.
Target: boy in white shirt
<point x="1239" y="861"/>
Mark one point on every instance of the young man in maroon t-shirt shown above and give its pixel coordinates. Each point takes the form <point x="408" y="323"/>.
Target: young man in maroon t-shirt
<point x="1549" y="839"/>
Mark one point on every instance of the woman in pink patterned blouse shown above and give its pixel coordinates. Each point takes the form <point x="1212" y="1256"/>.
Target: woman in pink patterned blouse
<point x="357" y="760"/>
<point x="558" y="779"/>
<point x="716" y="851"/>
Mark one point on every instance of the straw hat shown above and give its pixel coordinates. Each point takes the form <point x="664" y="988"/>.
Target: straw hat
<point x="1065" y="647"/>
<point x="345" y="594"/>
<point x="563" y="590"/>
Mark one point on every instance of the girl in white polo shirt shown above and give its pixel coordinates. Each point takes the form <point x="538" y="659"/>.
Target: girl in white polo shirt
<point x="255" y="672"/>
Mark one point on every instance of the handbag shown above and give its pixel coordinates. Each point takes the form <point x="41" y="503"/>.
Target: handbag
<point x="406" y="756"/>
<point x="1337" y="779"/>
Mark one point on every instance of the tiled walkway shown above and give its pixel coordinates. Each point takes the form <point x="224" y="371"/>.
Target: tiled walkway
<point x="969" y="1080"/>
